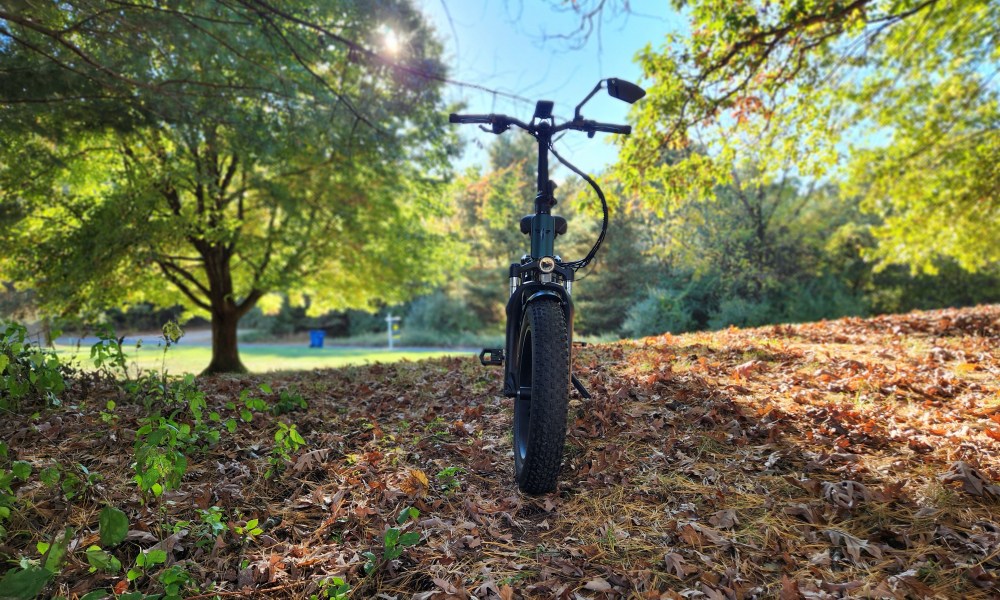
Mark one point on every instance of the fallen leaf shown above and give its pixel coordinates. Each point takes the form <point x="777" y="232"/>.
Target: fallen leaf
<point x="724" y="519"/>
<point x="972" y="480"/>
<point x="598" y="584"/>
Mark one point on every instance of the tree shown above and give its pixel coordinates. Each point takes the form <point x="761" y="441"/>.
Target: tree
<point x="895" y="97"/>
<point x="217" y="155"/>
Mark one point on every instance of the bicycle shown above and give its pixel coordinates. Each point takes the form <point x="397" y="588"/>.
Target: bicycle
<point x="539" y="337"/>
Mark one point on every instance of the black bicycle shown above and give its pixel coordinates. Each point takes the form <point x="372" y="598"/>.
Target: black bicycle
<point x="538" y="370"/>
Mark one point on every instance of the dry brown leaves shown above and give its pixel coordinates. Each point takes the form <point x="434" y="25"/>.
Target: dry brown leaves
<point x="844" y="459"/>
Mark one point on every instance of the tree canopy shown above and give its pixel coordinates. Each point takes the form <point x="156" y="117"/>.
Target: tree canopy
<point x="214" y="154"/>
<point x="897" y="99"/>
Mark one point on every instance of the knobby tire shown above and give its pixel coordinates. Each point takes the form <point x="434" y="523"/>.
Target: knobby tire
<point x="543" y="393"/>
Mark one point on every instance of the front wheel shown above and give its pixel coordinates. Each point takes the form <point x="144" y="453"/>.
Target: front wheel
<point x="542" y="371"/>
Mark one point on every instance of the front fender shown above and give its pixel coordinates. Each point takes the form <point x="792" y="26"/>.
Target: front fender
<point x="545" y="294"/>
<point x="526" y="294"/>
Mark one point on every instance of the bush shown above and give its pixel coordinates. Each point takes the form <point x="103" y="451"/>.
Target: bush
<point x="442" y="313"/>
<point x="27" y="372"/>
<point x="660" y="311"/>
<point x="435" y="339"/>
<point x="823" y="298"/>
<point x="743" y="313"/>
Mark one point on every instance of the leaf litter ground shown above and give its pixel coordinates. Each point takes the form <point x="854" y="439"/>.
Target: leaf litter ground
<point x="843" y="459"/>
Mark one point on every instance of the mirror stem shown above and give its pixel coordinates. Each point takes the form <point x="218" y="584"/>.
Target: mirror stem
<point x="576" y="114"/>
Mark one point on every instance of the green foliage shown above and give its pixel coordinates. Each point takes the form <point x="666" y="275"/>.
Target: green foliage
<point x="448" y="479"/>
<point x="175" y="580"/>
<point x="288" y="402"/>
<point x="407" y="514"/>
<point x="441" y="312"/>
<point x="146" y="560"/>
<point x="163" y="443"/>
<point x="28" y="373"/>
<point x="287" y="441"/>
<point x="101" y="560"/>
<point x="160" y="462"/>
<point x="24" y="584"/>
<point x="107" y="354"/>
<point x="662" y="310"/>
<point x="250" y="530"/>
<point x="276" y="161"/>
<point x="897" y="92"/>
<point x="212" y="522"/>
<point x="113" y="526"/>
<point x="332" y="588"/>
<point x="27" y="582"/>
<point x="394" y="541"/>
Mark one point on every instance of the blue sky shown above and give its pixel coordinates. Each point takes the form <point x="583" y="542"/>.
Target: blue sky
<point x="500" y="44"/>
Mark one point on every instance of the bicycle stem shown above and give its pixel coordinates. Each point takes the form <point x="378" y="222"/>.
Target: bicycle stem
<point x="543" y="226"/>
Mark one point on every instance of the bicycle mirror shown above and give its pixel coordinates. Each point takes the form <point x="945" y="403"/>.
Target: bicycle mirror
<point x="624" y="90"/>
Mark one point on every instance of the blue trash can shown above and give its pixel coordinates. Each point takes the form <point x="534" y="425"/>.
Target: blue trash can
<point x="316" y="338"/>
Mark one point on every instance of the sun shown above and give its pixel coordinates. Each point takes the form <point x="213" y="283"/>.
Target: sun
<point x="391" y="42"/>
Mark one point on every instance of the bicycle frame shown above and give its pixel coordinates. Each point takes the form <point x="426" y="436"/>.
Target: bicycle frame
<point x="543" y="231"/>
<point x="541" y="273"/>
<point x="540" y="286"/>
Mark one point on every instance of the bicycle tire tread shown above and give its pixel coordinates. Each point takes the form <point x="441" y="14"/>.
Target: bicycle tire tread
<point x="549" y="399"/>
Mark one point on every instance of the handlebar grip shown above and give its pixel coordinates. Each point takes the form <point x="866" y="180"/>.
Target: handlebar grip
<point x="609" y="128"/>
<point x="456" y="118"/>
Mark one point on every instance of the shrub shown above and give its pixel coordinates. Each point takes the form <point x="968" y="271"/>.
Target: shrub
<point x="440" y="312"/>
<point x="28" y="373"/>
<point x="743" y="313"/>
<point x="661" y="310"/>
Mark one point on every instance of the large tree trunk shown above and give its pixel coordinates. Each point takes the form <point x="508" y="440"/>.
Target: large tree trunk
<point x="226" y="312"/>
<point x="225" y="353"/>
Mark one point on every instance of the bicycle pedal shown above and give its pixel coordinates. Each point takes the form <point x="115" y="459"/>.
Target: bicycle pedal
<point x="495" y="357"/>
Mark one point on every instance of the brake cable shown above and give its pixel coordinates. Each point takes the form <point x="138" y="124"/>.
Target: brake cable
<point x="579" y="264"/>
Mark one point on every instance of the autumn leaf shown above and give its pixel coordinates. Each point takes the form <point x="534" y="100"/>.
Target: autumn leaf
<point x="598" y="584"/>
<point x="973" y="482"/>
<point x="416" y="484"/>
<point x="677" y="564"/>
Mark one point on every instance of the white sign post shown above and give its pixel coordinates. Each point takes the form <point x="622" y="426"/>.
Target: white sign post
<point x="389" y="326"/>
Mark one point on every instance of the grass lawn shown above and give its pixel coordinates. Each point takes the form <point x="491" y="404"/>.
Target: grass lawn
<point x="258" y="358"/>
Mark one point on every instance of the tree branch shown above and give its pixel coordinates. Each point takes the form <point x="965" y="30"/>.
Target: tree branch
<point x="165" y="269"/>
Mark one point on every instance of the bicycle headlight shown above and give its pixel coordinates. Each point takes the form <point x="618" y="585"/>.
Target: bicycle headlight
<point x="547" y="264"/>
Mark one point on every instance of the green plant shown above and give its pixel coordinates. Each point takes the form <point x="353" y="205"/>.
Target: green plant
<point x="107" y="354"/>
<point x="145" y="561"/>
<point x="332" y="588"/>
<point x="108" y="415"/>
<point x="33" y="575"/>
<point x="18" y="470"/>
<point x="27" y="372"/>
<point x="393" y="541"/>
<point x="212" y="522"/>
<point x="288" y="402"/>
<point x="175" y="579"/>
<point x="661" y="310"/>
<point x="101" y="560"/>
<point x="249" y="531"/>
<point x="163" y="443"/>
<point x="74" y="485"/>
<point x="448" y="479"/>
<point x="159" y="458"/>
<point x="287" y="440"/>
<point x="250" y="404"/>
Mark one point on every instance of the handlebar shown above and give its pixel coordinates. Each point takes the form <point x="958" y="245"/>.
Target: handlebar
<point x="454" y="118"/>
<point x="501" y="123"/>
